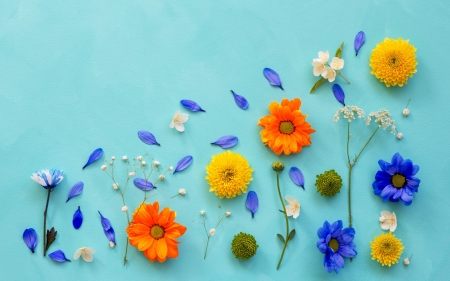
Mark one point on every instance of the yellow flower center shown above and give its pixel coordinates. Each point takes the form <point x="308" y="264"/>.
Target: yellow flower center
<point x="157" y="232"/>
<point x="286" y="127"/>
<point x="334" y="245"/>
<point x="228" y="174"/>
<point x="398" y="181"/>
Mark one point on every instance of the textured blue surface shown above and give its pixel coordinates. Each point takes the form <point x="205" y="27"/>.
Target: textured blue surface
<point x="78" y="75"/>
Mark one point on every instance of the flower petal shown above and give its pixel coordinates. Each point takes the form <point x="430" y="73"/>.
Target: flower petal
<point x="75" y="190"/>
<point x="192" y="105"/>
<point x="272" y="77"/>
<point x="95" y="155"/>
<point x="183" y="164"/>
<point x="240" y="101"/>
<point x="58" y="256"/>
<point x="147" y="137"/>
<point x="226" y="141"/>
<point x="77" y="218"/>
<point x="359" y="41"/>
<point x="143" y="184"/>
<point x="339" y="94"/>
<point x="252" y="202"/>
<point x="297" y="177"/>
<point x="30" y="238"/>
<point x="107" y="228"/>
<point x="347" y="251"/>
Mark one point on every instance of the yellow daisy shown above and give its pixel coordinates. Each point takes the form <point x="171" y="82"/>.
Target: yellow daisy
<point x="393" y="61"/>
<point x="386" y="249"/>
<point x="228" y="174"/>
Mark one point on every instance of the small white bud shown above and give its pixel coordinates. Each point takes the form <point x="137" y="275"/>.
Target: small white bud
<point x="228" y="213"/>
<point x="399" y="136"/>
<point x="124" y="158"/>
<point x="182" y="191"/>
<point x="103" y="167"/>
<point x="382" y="219"/>
<point x="111" y="244"/>
<point x="143" y="163"/>
<point x="156" y="163"/>
<point x="162" y="177"/>
<point x="406" y="112"/>
<point x="202" y="212"/>
<point x="113" y="158"/>
<point x="124" y="208"/>
<point x="212" y="231"/>
<point x="115" y="186"/>
<point x="406" y="261"/>
<point x="110" y="163"/>
<point x="131" y="174"/>
<point x="170" y="168"/>
<point x="139" y="158"/>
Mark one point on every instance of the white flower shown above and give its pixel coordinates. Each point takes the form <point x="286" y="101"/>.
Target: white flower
<point x="293" y="209"/>
<point x="111" y="244"/>
<point x="131" y="174"/>
<point x="337" y="63"/>
<point x="324" y="56"/>
<point x="124" y="208"/>
<point x="113" y="157"/>
<point x="383" y="119"/>
<point x="143" y="163"/>
<point x="406" y="112"/>
<point x="49" y="178"/>
<point x="349" y="113"/>
<point x="170" y="168"/>
<point x="329" y="73"/>
<point x="182" y="191"/>
<point x="115" y="185"/>
<point x="212" y="231"/>
<point x="156" y="163"/>
<point x="178" y="120"/>
<point x="406" y="261"/>
<point x="202" y="212"/>
<point x="162" y="177"/>
<point x="139" y="158"/>
<point x="124" y="158"/>
<point x="388" y="221"/>
<point x="103" y="167"/>
<point x="85" y="253"/>
<point x="319" y="67"/>
<point x="399" y="135"/>
<point x="228" y="213"/>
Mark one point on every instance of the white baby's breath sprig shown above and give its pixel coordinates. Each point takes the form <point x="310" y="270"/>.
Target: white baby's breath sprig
<point x="382" y="118"/>
<point x="212" y="231"/>
<point x="348" y="113"/>
<point x="181" y="191"/>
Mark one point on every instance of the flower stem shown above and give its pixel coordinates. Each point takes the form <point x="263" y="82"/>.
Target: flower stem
<point x="340" y="74"/>
<point x="286" y="240"/>
<point x="349" y="194"/>
<point x="45" y="221"/>
<point x="206" y="250"/>
<point x="126" y="252"/>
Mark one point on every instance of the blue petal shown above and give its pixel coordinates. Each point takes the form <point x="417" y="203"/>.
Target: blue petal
<point x="338" y="260"/>
<point x="76" y="189"/>
<point x="252" y="202"/>
<point x="192" y="105"/>
<point x="226" y="141"/>
<point x="297" y="177"/>
<point x="94" y="157"/>
<point x="107" y="228"/>
<point x="359" y="41"/>
<point x="143" y="184"/>
<point x="240" y="101"/>
<point x="58" y="256"/>
<point x="183" y="164"/>
<point x="323" y="231"/>
<point x="347" y="251"/>
<point x="147" y="138"/>
<point x="77" y="218"/>
<point x="339" y="94"/>
<point x="272" y="77"/>
<point x="106" y="224"/>
<point x="30" y="238"/>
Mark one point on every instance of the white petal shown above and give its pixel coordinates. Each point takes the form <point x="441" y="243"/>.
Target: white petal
<point x="38" y="179"/>
<point x="49" y="179"/>
<point x="176" y="114"/>
<point x="77" y="254"/>
<point x="386" y="214"/>
<point x="183" y="117"/>
<point x="290" y="199"/>
<point x="87" y="257"/>
<point x="296" y="214"/>
<point x="393" y="227"/>
<point x="172" y="124"/>
<point x="179" y="127"/>
<point x="92" y="251"/>
<point x="289" y="211"/>
<point x="385" y="225"/>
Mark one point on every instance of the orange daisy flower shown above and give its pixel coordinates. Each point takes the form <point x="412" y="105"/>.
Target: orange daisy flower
<point x="154" y="233"/>
<point x="285" y="128"/>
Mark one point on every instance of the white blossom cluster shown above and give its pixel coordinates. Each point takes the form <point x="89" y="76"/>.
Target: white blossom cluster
<point x="349" y="113"/>
<point x="383" y="119"/>
<point x="325" y="69"/>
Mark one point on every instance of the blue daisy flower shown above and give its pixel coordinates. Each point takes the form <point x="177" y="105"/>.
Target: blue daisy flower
<point x="396" y="180"/>
<point x="48" y="179"/>
<point x="336" y="243"/>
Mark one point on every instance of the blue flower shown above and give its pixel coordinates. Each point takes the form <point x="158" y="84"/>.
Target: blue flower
<point x="48" y="178"/>
<point x="396" y="180"/>
<point x="336" y="243"/>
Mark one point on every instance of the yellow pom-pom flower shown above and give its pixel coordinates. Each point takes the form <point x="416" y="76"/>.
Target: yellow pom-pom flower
<point x="386" y="249"/>
<point x="228" y="174"/>
<point x="393" y="61"/>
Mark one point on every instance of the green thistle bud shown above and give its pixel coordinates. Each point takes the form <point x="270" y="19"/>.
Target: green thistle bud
<point x="329" y="183"/>
<point x="244" y="246"/>
<point x="278" y="166"/>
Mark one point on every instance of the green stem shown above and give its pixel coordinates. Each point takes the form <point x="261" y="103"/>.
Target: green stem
<point x="126" y="252"/>
<point x="206" y="250"/>
<point x="340" y="74"/>
<point x="349" y="194"/>
<point x="286" y="240"/>
<point x="356" y="158"/>
<point x="45" y="221"/>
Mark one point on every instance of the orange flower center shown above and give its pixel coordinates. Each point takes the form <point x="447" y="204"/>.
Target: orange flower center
<point x="394" y="61"/>
<point x="157" y="232"/>
<point x="387" y="247"/>
<point x="286" y="127"/>
<point x="334" y="245"/>
<point x="398" y="181"/>
<point x="228" y="174"/>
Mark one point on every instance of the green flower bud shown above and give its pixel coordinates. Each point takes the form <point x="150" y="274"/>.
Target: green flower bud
<point x="329" y="183"/>
<point x="278" y="166"/>
<point x="244" y="246"/>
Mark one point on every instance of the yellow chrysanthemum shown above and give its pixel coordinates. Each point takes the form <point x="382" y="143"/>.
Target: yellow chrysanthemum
<point x="393" y="61"/>
<point x="228" y="174"/>
<point x="386" y="249"/>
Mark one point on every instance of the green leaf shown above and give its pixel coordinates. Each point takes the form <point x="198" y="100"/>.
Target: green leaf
<point x="318" y="83"/>
<point x="281" y="211"/>
<point x="281" y="237"/>
<point x="291" y="234"/>
<point x="51" y="236"/>
<point x="339" y="51"/>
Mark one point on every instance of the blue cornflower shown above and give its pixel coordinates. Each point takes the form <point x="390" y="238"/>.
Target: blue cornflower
<point x="48" y="179"/>
<point x="396" y="180"/>
<point x="335" y="243"/>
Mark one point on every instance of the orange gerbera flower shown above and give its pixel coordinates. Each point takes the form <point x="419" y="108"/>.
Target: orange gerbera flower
<point x="154" y="233"/>
<point x="285" y="129"/>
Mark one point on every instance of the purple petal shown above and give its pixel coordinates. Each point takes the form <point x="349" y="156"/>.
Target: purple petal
<point x="339" y="94"/>
<point x="323" y="231"/>
<point x="338" y="260"/>
<point x="147" y="138"/>
<point x="336" y="227"/>
<point x="95" y="155"/>
<point x="252" y="202"/>
<point x="322" y="246"/>
<point x="406" y="198"/>
<point x="58" y="256"/>
<point x="76" y="189"/>
<point x="297" y="177"/>
<point x="359" y="41"/>
<point x="387" y="192"/>
<point x="30" y="238"/>
<point x="107" y="228"/>
<point x="143" y="184"/>
<point x="183" y="164"/>
<point x="240" y="101"/>
<point x="226" y="141"/>
<point x="192" y="105"/>
<point x="272" y="77"/>
<point x="106" y="224"/>
<point x="347" y="251"/>
<point x="77" y="218"/>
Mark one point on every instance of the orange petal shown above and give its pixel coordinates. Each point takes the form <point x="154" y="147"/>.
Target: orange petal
<point x="295" y="104"/>
<point x="172" y="249"/>
<point x="145" y="243"/>
<point x="161" y="248"/>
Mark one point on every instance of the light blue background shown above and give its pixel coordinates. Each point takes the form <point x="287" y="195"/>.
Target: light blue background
<point x="77" y="75"/>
